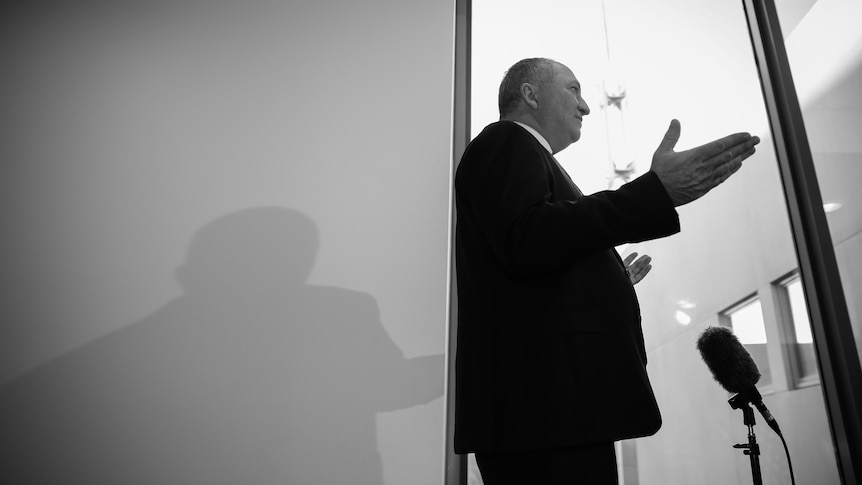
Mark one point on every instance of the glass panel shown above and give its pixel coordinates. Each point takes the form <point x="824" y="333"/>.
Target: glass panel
<point x="824" y="47"/>
<point x="799" y="311"/>
<point x="747" y="324"/>
<point x="802" y="342"/>
<point x="641" y="64"/>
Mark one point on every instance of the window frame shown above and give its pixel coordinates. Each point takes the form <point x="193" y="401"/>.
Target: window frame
<point x="787" y="330"/>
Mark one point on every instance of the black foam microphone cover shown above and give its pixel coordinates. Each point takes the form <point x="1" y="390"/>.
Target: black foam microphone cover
<point x="731" y="365"/>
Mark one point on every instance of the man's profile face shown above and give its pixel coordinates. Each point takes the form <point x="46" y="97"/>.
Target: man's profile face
<point x="561" y="108"/>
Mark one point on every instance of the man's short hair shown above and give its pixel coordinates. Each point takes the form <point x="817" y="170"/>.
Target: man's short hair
<point x="537" y="71"/>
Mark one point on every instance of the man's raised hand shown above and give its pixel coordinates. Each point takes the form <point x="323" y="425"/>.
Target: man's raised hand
<point x="690" y="174"/>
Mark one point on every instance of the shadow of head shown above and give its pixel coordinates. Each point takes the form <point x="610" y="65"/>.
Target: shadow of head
<point x="252" y="250"/>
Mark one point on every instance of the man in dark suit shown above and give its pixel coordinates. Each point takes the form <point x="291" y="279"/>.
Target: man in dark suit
<point x="551" y="365"/>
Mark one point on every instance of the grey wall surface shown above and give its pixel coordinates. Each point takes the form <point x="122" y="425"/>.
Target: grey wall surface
<point x="225" y="235"/>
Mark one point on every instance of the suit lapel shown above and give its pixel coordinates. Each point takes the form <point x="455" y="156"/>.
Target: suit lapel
<point x="568" y="179"/>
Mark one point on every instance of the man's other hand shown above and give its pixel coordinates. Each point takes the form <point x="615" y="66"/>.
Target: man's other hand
<point x="690" y="174"/>
<point x="637" y="270"/>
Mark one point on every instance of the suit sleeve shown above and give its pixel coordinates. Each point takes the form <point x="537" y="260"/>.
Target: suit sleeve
<point x="506" y="188"/>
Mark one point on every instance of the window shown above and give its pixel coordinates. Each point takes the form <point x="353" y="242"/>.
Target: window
<point x="797" y="330"/>
<point x="746" y="320"/>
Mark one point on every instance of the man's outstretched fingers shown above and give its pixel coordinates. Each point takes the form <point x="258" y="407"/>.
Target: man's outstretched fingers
<point x="732" y="152"/>
<point x="729" y="142"/>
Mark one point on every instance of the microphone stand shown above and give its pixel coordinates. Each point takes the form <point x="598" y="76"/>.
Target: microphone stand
<point x="752" y="449"/>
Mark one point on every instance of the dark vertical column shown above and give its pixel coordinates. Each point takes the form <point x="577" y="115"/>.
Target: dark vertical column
<point x="456" y="465"/>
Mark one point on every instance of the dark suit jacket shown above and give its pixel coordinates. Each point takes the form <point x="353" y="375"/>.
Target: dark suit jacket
<point x="550" y="347"/>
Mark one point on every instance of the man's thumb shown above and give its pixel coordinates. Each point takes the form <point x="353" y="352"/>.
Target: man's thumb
<point x="670" y="138"/>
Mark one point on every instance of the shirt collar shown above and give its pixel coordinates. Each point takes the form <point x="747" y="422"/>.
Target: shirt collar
<point x="537" y="135"/>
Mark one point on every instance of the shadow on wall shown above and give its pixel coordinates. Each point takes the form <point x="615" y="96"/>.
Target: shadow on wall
<point x="250" y="377"/>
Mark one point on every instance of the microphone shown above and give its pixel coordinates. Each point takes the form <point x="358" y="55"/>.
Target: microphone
<point x="732" y="367"/>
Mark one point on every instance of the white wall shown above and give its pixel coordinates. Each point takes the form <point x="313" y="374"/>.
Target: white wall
<point x="225" y="230"/>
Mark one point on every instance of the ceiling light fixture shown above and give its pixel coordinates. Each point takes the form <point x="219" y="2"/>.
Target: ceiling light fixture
<point x="831" y="206"/>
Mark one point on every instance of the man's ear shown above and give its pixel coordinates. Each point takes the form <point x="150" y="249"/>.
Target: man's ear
<point x="528" y="94"/>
